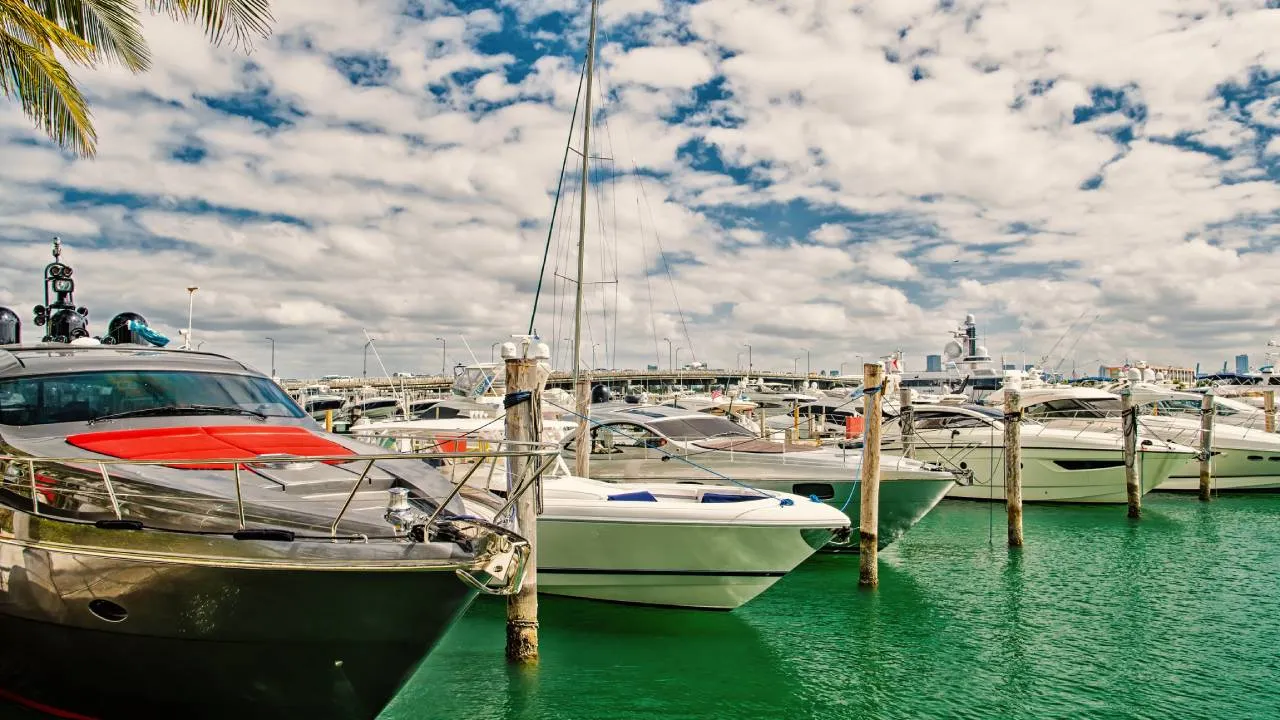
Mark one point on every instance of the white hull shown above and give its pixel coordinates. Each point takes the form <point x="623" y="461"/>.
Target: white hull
<point x="1045" y="480"/>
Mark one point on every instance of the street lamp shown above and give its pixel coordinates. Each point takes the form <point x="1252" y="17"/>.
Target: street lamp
<point x="677" y="360"/>
<point x="444" y="355"/>
<point x="365" y="366"/>
<point x="808" y="366"/>
<point x="594" y="365"/>
<point x="273" y="356"/>
<point x="671" y="363"/>
<point x="191" y="302"/>
<point x="795" y="366"/>
<point x="749" y="363"/>
<point x="492" y="347"/>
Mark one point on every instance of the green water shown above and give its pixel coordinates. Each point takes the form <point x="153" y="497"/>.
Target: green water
<point x="1177" y="615"/>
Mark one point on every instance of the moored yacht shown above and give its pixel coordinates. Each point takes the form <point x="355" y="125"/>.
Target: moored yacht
<point x="174" y="523"/>
<point x="1244" y="458"/>
<point x="1058" y="465"/>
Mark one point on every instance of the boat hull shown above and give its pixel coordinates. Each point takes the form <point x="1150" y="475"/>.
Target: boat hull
<point x="710" y="566"/>
<point x="112" y="634"/>
<point x="1045" y="479"/>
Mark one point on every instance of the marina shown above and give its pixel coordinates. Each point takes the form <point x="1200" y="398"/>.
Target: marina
<point x="699" y="471"/>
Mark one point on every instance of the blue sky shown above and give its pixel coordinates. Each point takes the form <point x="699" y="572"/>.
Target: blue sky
<point x="843" y="178"/>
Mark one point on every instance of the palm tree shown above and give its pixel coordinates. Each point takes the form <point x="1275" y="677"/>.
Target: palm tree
<point x="36" y="35"/>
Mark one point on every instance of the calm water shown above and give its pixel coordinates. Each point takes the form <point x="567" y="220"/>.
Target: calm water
<point x="1175" y="616"/>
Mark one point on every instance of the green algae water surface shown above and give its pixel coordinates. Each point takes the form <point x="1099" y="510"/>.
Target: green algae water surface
<point x="1176" y="615"/>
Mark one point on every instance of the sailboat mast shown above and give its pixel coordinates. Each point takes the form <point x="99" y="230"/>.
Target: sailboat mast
<point x="582" y="214"/>
<point x="581" y="390"/>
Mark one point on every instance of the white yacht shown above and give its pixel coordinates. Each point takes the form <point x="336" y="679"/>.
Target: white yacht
<point x="1058" y="465"/>
<point x="967" y="368"/>
<point x="1244" y="458"/>
<point x="653" y="543"/>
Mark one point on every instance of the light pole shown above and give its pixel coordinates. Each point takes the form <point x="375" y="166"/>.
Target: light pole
<point x="365" y="365"/>
<point x="677" y="361"/>
<point x="808" y="365"/>
<point x="749" y="364"/>
<point x="444" y="355"/>
<point x="594" y="365"/>
<point x="273" y="356"/>
<point x="492" y="346"/>
<point x="191" y="304"/>
<point x="671" y="363"/>
<point x="795" y="366"/>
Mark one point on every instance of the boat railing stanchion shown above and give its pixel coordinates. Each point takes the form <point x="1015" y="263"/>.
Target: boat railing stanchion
<point x="1013" y="462"/>
<point x="1269" y="409"/>
<point x="1206" y="444"/>
<point x="333" y="529"/>
<point x="1129" y="420"/>
<point x="111" y="491"/>
<point x="31" y="476"/>
<point x="526" y="378"/>
<point x="907" y="413"/>
<point x="235" y="467"/>
<point x="869" y="511"/>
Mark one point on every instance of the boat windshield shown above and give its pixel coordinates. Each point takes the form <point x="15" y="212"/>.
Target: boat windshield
<point x="81" y="397"/>
<point x="697" y="428"/>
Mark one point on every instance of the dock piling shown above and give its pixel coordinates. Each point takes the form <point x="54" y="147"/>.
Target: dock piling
<point x="869" y="512"/>
<point x="523" y="425"/>
<point x="1013" y="462"/>
<point x="1269" y="408"/>
<point x="1206" y="444"/>
<point x="1129" y="418"/>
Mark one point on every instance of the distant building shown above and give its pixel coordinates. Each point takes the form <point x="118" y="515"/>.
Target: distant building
<point x="933" y="363"/>
<point x="1242" y="364"/>
<point x="1009" y="366"/>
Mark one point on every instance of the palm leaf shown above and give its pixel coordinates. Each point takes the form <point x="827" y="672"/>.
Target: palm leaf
<point x="19" y="20"/>
<point x="112" y="27"/>
<point x="46" y="92"/>
<point x="240" y="20"/>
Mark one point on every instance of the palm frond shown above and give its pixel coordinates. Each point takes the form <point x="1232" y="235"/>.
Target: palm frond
<point x="241" y="20"/>
<point x="46" y="93"/>
<point x="21" y="21"/>
<point x="112" y="27"/>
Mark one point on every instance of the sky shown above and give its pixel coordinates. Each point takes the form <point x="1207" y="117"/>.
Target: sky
<point x="1096" y="181"/>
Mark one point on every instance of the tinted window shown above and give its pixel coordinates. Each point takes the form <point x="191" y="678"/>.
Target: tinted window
<point x="79" y="397"/>
<point x="696" y="428"/>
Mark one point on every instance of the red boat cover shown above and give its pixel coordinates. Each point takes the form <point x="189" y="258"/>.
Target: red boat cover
<point x="221" y="442"/>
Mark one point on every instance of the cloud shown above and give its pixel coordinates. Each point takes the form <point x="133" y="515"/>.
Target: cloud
<point x="793" y="174"/>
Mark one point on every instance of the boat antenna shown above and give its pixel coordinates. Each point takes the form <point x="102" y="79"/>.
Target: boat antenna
<point x="582" y="405"/>
<point x="465" y="344"/>
<point x="404" y="391"/>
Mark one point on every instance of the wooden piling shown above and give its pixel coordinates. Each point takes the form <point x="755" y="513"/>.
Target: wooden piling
<point x="582" y="439"/>
<point x="908" y="422"/>
<point x="1129" y="420"/>
<point x="764" y="434"/>
<point x="1013" y="463"/>
<point x="1206" y="444"/>
<point x="1269" y="408"/>
<point x="869" y="513"/>
<point x="328" y="421"/>
<point x="523" y="425"/>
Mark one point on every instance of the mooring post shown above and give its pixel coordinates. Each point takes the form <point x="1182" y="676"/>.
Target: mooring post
<point x="526" y="378"/>
<point x="328" y="421"/>
<point x="582" y="438"/>
<point x="1269" y="407"/>
<point x="907" y="413"/>
<point x="869" y="512"/>
<point x="763" y="432"/>
<point x="1206" y="444"/>
<point x="1129" y="418"/>
<point x="1013" y="462"/>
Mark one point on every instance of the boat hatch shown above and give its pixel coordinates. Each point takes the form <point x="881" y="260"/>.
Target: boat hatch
<point x="637" y="496"/>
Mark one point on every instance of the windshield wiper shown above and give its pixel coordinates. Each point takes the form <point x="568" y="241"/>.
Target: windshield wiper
<point x="179" y="410"/>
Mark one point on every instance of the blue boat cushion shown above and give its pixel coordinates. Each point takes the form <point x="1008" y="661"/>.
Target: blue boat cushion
<point x="726" y="497"/>
<point x="637" y="496"/>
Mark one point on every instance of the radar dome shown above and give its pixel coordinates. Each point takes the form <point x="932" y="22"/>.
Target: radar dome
<point x="952" y="350"/>
<point x="969" y="319"/>
<point x="982" y="351"/>
<point x="10" y="327"/>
